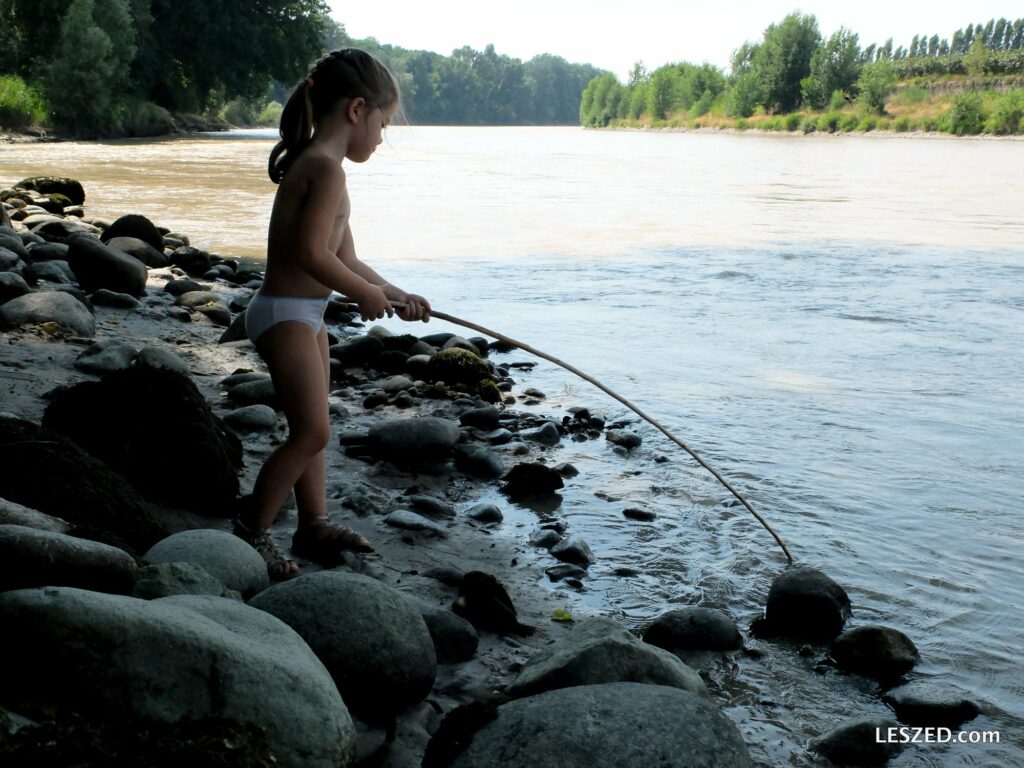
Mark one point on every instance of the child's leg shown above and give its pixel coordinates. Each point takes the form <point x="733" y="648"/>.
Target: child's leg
<point x="311" y="487"/>
<point x="293" y="355"/>
<point x="317" y="538"/>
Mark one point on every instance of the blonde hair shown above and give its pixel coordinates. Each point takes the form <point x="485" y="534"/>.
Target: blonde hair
<point x="347" y="73"/>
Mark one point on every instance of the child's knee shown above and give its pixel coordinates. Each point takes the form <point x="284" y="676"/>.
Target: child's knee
<point x="311" y="439"/>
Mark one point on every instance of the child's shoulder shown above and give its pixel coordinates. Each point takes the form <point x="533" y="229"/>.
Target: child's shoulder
<point x="315" y="163"/>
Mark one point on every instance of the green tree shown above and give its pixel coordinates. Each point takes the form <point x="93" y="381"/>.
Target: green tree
<point x="200" y="53"/>
<point x="742" y="60"/>
<point x="600" y="101"/>
<point x="78" y="80"/>
<point x="784" y="60"/>
<point x="637" y="75"/>
<point x="876" y="82"/>
<point x="835" y="66"/>
<point x="976" y="58"/>
<point x="745" y="95"/>
<point x="659" y="95"/>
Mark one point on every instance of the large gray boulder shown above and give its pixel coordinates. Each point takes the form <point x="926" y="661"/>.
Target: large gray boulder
<point x="115" y="658"/>
<point x="371" y="638"/>
<point x="233" y="562"/>
<point x="30" y="557"/>
<point x="597" y="651"/>
<point x="608" y="726"/>
<point x="12" y="513"/>
<point x="48" y="307"/>
<point x="166" y="579"/>
<point x="99" y="266"/>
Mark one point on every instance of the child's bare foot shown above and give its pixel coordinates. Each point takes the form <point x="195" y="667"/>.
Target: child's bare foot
<point x="279" y="567"/>
<point x="323" y="542"/>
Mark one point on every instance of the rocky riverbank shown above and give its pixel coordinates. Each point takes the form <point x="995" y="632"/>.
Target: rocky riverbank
<point x="135" y="413"/>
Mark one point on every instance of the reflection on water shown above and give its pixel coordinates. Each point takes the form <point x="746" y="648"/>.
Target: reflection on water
<point x="439" y="194"/>
<point x="834" y="323"/>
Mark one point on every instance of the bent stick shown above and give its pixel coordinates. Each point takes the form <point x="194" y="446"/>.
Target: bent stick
<point x="621" y="399"/>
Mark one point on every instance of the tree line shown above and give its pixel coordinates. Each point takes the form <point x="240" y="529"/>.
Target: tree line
<point x="140" y="67"/>
<point x="794" y="66"/>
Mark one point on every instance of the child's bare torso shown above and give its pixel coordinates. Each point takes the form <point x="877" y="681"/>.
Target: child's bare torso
<point x="284" y="274"/>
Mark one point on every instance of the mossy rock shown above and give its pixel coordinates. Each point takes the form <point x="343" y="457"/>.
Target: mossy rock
<point x="391" y="361"/>
<point x="49" y="185"/>
<point x="77" y="487"/>
<point x="488" y="391"/>
<point x="459" y="366"/>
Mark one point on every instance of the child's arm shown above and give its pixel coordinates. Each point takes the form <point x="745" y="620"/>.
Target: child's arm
<point x="326" y="186"/>
<point x="416" y="307"/>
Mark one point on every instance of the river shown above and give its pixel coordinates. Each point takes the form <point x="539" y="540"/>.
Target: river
<point x="836" y="323"/>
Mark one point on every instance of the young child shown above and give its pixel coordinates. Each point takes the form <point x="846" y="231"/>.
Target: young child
<point x="338" y="112"/>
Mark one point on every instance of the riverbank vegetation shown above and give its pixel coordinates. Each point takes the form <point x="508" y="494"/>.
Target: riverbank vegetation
<point x="104" y="68"/>
<point x="795" y="79"/>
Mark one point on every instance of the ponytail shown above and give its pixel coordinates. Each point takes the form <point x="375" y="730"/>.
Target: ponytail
<point x="343" y="74"/>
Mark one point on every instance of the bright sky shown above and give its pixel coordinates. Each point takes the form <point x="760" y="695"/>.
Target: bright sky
<point x="613" y="34"/>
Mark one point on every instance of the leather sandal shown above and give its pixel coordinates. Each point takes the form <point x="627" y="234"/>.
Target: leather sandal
<point x="323" y="542"/>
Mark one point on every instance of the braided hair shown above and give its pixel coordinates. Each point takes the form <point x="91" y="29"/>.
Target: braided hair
<point x="347" y="73"/>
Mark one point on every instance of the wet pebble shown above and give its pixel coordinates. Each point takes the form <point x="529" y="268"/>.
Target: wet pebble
<point x="410" y="521"/>
<point x="565" y="571"/>
<point x="545" y="538"/>
<point x="431" y="506"/>
<point x="485" y="513"/>
<point x="627" y="440"/>
<point x="573" y="550"/>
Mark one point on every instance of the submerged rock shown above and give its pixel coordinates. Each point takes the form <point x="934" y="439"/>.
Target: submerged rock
<point x="694" y="629"/>
<point x="531" y="479"/>
<point x="856" y="743"/>
<point x="927" y="705"/>
<point x="881" y="653"/>
<point x="597" y="726"/>
<point x="573" y="550"/>
<point x="805" y="604"/>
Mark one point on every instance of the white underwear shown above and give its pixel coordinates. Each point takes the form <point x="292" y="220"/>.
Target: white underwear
<point x="266" y="311"/>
